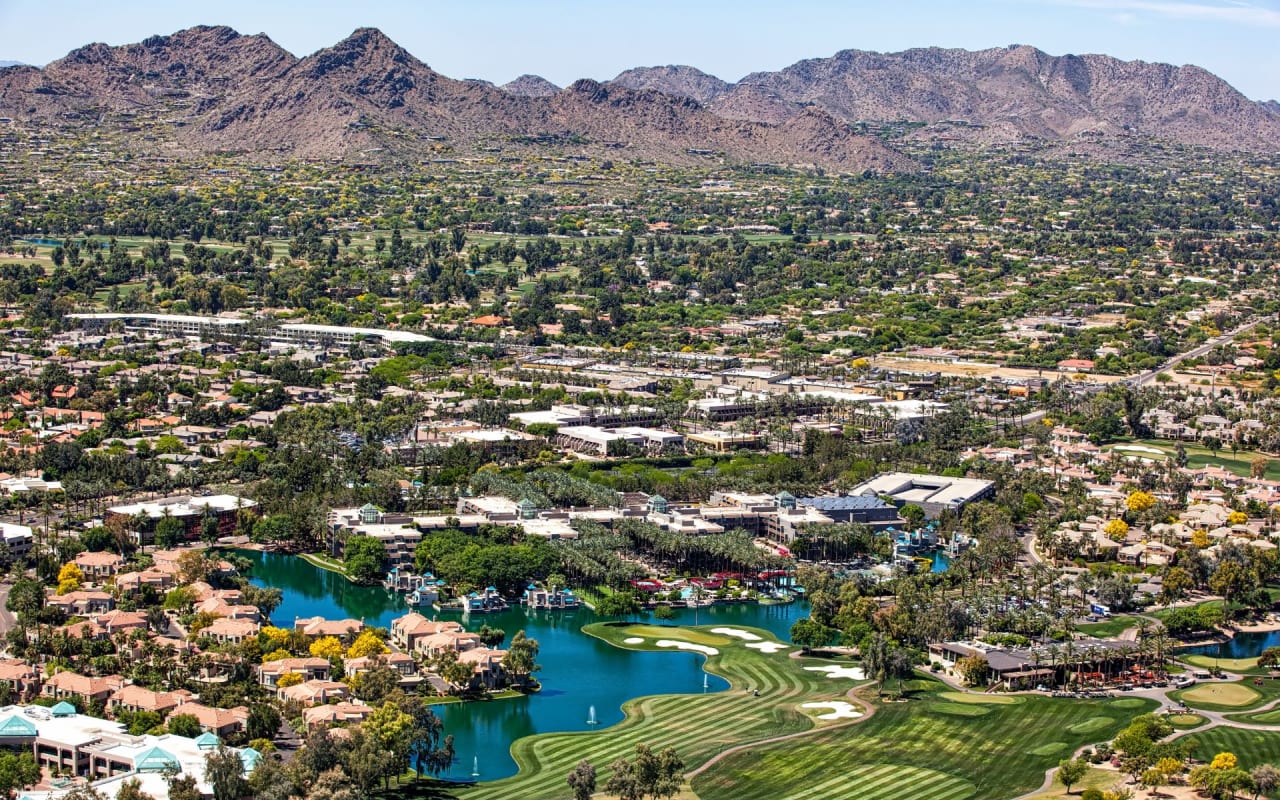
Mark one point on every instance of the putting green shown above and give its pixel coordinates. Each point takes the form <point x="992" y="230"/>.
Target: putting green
<point x="1221" y="694"/>
<point x="1228" y="664"/>
<point x="1092" y="724"/>
<point x="678" y="633"/>
<point x="981" y="699"/>
<point x="1129" y="702"/>
<point x="1048" y="749"/>
<point x="959" y="709"/>
<point x="1188" y="721"/>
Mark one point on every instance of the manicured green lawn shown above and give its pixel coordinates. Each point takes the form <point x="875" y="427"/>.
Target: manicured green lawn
<point x="1241" y="665"/>
<point x="1113" y="626"/>
<point x="908" y="751"/>
<point x="1234" y="696"/>
<point x="1186" y="721"/>
<point x="1271" y="717"/>
<point x="1251" y="747"/>
<point x="697" y="726"/>
<point x="1198" y="456"/>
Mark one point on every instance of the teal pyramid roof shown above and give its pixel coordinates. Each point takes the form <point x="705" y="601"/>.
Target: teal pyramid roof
<point x="250" y="758"/>
<point x="17" y="726"/>
<point x="155" y="760"/>
<point x="207" y="740"/>
<point x="63" y="709"/>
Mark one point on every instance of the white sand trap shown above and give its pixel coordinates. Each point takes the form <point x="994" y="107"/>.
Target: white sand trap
<point x="854" y="673"/>
<point x="697" y="648"/>
<point x="738" y="633"/>
<point x="1137" y="448"/>
<point x="839" y="710"/>
<point x="633" y="640"/>
<point x="767" y="647"/>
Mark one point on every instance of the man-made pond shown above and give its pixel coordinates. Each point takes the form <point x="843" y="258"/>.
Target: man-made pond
<point x="1244" y="645"/>
<point x="578" y="671"/>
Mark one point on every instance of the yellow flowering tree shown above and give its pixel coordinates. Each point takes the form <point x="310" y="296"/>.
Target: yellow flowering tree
<point x="1139" y="501"/>
<point x="1200" y="539"/>
<point x="367" y="644"/>
<point x="327" y="647"/>
<point x="289" y="679"/>
<point x="276" y="655"/>
<point x="1237" y="518"/>
<point x="1116" y="529"/>
<point x="69" y="578"/>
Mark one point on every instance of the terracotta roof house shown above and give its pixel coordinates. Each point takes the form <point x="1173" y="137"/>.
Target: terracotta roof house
<point x="231" y="631"/>
<point x="402" y="663"/>
<point x="457" y="641"/>
<point x="137" y="698"/>
<point x="486" y="663"/>
<point x="22" y="678"/>
<point x="309" y="668"/>
<point x="312" y="693"/>
<point x="82" y="602"/>
<point x="73" y="684"/>
<point x="117" y="621"/>
<point x="336" y="714"/>
<point x="319" y="626"/>
<point x="99" y="565"/>
<point x="130" y="582"/>
<point x="408" y="630"/>
<point x="221" y="722"/>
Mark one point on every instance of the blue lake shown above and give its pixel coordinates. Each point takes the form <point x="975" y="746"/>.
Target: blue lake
<point x="578" y="671"/>
<point x="1244" y="645"/>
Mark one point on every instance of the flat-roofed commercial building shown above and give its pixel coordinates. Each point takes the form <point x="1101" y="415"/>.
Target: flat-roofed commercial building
<point x="933" y="493"/>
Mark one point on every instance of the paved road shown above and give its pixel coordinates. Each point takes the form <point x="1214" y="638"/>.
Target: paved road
<point x="1145" y="378"/>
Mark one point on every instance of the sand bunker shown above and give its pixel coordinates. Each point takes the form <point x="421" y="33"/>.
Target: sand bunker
<point x="697" y="648"/>
<point x="839" y="710"/>
<point x="767" y="647"/>
<point x="1135" y="448"/>
<point x="737" y="633"/>
<point x="854" y="673"/>
<point x="633" y="640"/>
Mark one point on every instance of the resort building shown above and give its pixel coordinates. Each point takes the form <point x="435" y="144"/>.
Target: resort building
<point x="104" y="752"/>
<point x="225" y="509"/>
<point x="933" y="493"/>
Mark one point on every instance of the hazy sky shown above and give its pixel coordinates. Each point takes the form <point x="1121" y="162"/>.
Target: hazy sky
<point x="563" y="40"/>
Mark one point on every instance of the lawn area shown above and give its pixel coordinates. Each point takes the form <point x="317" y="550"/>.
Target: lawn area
<point x="1198" y="456"/>
<point x="1251" y="747"/>
<point x="1093" y="779"/>
<point x="1164" y="612"/>
<point x="1242" y="665"/>
<point x="697" y="726"/>
<point x="680" y="633"/>
<point x="1185" y="722"/>
<point x="910" y="751"/>
<point x="1113" y="626"/>
<point x="1234" y="696"/>
<point x="1271" y="717"/>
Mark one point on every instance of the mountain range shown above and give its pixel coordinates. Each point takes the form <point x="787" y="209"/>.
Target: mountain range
<point x="212" y="89"/>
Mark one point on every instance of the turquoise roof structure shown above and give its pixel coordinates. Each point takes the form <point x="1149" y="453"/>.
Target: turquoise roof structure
<point x="17" y="726"/>
<point x="63" y="709"/>
<point x="156" y="759"/>
<point x="207" y="741"/>
<point x="250" y="758"/>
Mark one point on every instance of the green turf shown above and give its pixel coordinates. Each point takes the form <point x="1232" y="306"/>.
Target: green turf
<point x="1048" y="749"/>
<point x="1129" y="702"/>
<point x="959" y="709"/>
<point x="906" y="736"/>
<point x="1240" y="462"/>
<point x="1271" y="717"/>
<point x="675" y="632"/>
<point x="1092" y="725"/>
<point x="1251" y="747"/>
<point x="697" y="726"/>
<point x="1113" y="626"/>
<point x="1234" y="696"/>
<point x="982" y="699"/>
<point x="1247" y="666"/>
<point x="1186" y="721"/>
